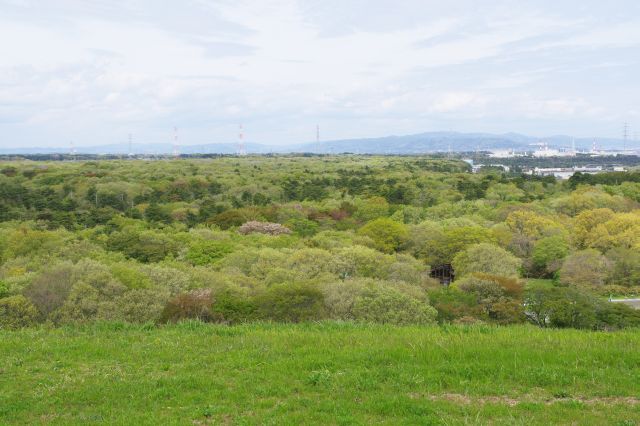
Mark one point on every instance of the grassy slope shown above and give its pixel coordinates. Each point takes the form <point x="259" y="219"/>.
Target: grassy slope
<point x="318" y="374"/>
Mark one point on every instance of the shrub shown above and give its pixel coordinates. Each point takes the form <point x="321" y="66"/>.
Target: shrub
<point x="50" y="289"/>
<point x="233" y="307"/>
<point x="4" y="289"/>
<point x="80" y="306"/>
<point x="564" y="307"/>
<point x="486" y="258"/>
<point x="548" y="254"/>
<point x="291" y="303"/>
<point x="389" y="306"/>
<point x="263" y="228"/>
<point x="17" y="312"/>
<point x="207" y="251"/>
<point x="358" y="261"/>
<point x="453" y="304"/>
<point x="340" y="298"/>
<point x="387" y="234"/>
<point x="585" y="268"/>
<point x="237" y="217"/>
<point x="303" y="227"/>
<point x="498" y="297"/>
<point x="193" y="305"/>
<point x="137" y="306"/>
<point x="146" y="246"/>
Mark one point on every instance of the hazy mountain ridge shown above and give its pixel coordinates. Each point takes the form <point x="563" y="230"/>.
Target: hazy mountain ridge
<point x="407" y="144"/>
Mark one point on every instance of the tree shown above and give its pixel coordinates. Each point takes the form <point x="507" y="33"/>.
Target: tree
<point x="625" y="269"/>
<point x="291" y="303"/>
<point x="205" y="252"/>
<point x="585" y="222"/>
<point x="155" y="213"/>
<point x="548" y="254"/>
<point x="561" y="307"/>
<point x="486" y="258"/>
<point x="532" y="225"/>
<point x="192" y="305"/>
<point x="387" y="234"/>
<point x="371" y="208"/>
<point x="388" y="306"/>
<point x="500" y="298"/>
<point x="586" y="268"/>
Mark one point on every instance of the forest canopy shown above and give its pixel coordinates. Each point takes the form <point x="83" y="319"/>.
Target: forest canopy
<point x="295" y="238"/>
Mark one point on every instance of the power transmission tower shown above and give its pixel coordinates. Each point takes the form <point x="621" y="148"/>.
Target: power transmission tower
<point x="176" y="150"/>
<point x="241" y="149"/>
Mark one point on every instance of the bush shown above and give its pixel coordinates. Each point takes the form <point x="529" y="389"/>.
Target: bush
<point x="146" y="246"/>
<point x="136" y="306"/>
<point x="263" y="228"/>
<point x="387" y="234"/>
<point x="389" y="306"/>
<point x="586" y="268"/>
<point x="453" y="304"/>
<point x="563" y="307"/>
<point x="303" y="227"/>
<point x="208" y="251"/>
<point x="498" y="297"/>
<point x="50" y="289"/>
<point x="291" y="303"/>
<point x="548" y="254"/>
<point x="17" y="312"/>
<point x="233" y="307"/>
<point x="4" y="289"/>
<point x="193" y="305"/>
<point x="486" y="258"/>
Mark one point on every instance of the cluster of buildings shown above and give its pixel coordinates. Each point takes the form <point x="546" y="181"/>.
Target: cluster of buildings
<point x="567" y="172"/>
<point x="543" y="150"/>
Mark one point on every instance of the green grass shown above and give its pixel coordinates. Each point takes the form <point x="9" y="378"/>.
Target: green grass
<point x="327" y="373"/>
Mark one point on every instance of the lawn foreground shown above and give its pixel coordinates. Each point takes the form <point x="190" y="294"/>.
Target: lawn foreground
<point x="327" y="373"/>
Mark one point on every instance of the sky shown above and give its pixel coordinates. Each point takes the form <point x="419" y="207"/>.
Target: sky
<point x="91" y="72"/>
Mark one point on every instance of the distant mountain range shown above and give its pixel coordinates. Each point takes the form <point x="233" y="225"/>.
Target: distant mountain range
<point x="410" y="144"/>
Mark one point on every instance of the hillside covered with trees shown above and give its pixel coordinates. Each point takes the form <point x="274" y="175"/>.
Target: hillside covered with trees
<point x="293" y="239"/>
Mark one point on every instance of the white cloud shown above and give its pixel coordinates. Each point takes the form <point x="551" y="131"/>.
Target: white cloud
<point x="101" y="70"/>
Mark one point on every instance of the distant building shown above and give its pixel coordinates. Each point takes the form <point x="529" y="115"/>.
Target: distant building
<point x="567" y="172"/>
<point x="544" y="151"/>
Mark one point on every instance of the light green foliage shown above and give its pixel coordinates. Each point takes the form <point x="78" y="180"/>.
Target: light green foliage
<point x="585" y="268"/>
<point x="486" y="258"/>
<point x="207" y="252"/>
<point x="499" y="298"/>
<point x="440" y="243"/>
<point x="303" y="227"/>
<point x="370" y="209"/>
<point x="388" y="306"/>
<point x="17" y="312"/>
<point x="505" y="192"/>
<point x="291" y="303"/>
<point x="360" y="261"/>
<point x="387" y="234"/>
<point x="4" y="289"/>
<point x="548" y="254"/>
<point x="625" y="267"/>
<point x="88" y="241"/>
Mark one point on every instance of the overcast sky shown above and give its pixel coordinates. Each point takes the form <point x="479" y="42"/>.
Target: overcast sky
<point x="92" y="71"/>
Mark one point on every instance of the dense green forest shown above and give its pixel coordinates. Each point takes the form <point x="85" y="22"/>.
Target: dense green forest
<point x="304" y="238"/>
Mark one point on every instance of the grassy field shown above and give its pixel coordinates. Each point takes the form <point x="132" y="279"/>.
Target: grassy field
<point x="328" y="373"/>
